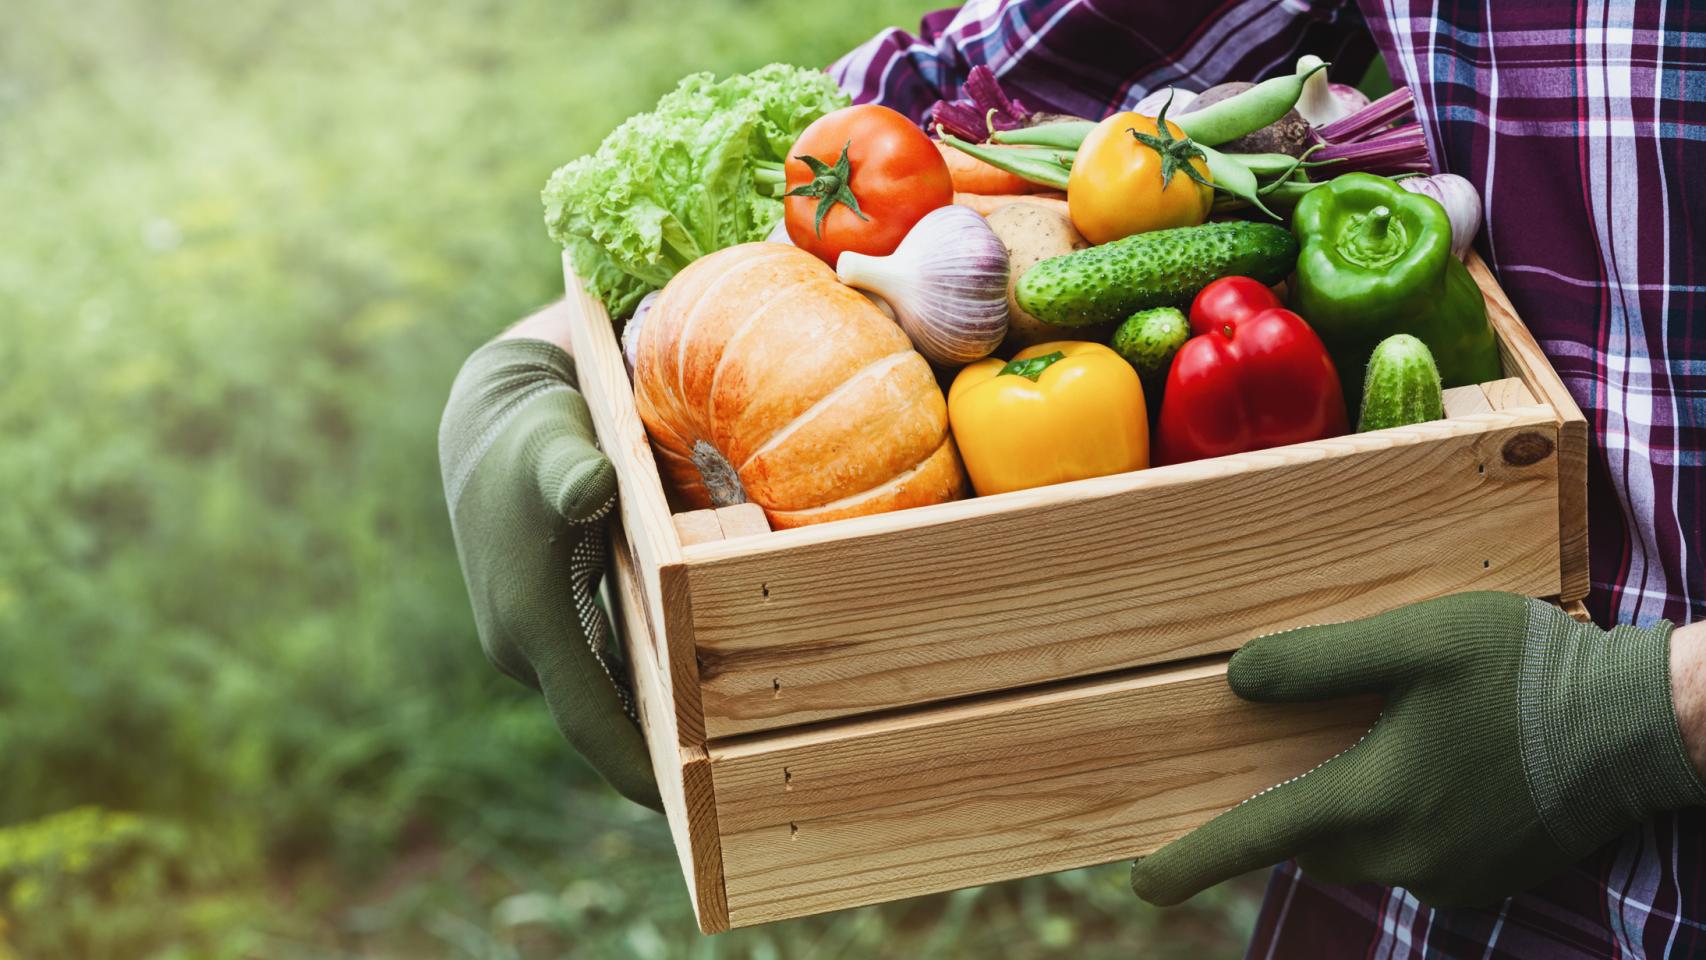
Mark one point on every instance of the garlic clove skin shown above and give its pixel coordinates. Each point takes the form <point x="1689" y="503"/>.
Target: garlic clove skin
<point x="631" y="331"/>
<point x="946" y="284"/>
<point x="1153" y="101"/>
<point x="779" y="233"/>
<point x="1323" y="102"/>
<point x="1462" y="203"/>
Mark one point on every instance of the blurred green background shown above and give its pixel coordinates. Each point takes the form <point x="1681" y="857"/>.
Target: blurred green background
<point x="243" y="713"/>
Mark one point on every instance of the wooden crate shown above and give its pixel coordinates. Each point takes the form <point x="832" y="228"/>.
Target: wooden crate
<point x="1011" y="685"/>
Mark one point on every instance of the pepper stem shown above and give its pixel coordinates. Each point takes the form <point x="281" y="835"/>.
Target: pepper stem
<point x="1032" y="367"/>
<point x="1378" y="220"/>
<point x="1374" y="239"/>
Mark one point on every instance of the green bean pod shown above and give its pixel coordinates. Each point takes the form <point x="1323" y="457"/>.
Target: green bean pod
<point x="1247" y="112"/>
<point x="1066" y="135"/>
<point x="1048" y="168"/>
<point x="1231" y="176"/>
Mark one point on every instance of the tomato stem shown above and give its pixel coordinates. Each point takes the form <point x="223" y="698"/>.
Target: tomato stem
<point x="1176" y="152"/>
<point x="829" y="186"/>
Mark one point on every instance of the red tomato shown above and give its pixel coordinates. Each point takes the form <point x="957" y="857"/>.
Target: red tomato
<point x="866" y="156"/>
<point x="1229" y="300"/>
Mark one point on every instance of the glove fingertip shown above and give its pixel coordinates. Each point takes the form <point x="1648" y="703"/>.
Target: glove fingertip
<point x="1150" y="887"/>
<point x="585" y="489"/>
<point x="1253" y="673"/>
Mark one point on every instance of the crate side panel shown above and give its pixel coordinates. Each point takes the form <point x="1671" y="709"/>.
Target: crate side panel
<point x="643" y="508"/>
<point x="1079" y="586"/>
<point x="1018" y="787"/>
<point x="1523" y="358"/>
<point x="683" y="774"/>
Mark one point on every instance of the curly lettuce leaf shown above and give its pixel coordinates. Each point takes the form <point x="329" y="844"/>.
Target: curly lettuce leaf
<point x="672" y="185"/>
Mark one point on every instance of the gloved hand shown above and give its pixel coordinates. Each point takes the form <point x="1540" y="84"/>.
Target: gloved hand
<point x="530" y="496"/>
<point x="1513" y="742"/>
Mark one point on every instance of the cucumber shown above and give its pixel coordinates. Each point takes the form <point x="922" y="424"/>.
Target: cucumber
<point x="1161" y="268"/>
<point x="1147" y="340"/>
<point x="1402" y="385"/>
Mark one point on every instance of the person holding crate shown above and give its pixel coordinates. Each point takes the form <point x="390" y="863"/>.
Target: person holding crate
<point x="1534" y="785"/>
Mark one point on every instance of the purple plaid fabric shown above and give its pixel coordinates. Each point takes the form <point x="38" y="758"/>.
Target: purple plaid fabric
<point x="1584" y="126"/>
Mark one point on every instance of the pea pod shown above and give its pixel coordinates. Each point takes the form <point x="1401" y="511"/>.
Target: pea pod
<point x="1245" y="113"/>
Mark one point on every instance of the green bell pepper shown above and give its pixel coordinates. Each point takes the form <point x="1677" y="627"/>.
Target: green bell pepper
<point x="1376" y="260"/>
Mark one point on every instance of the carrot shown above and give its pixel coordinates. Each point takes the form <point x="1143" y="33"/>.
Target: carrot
<point x="972" y="175"/>
<point x="988" y="203"/>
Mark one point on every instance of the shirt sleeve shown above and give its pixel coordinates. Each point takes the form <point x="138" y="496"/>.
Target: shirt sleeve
<point x="1093" y="57"/>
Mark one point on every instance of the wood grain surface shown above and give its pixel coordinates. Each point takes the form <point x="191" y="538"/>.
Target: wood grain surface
<point x="1524" y="359"/>
<point x="1465" y="401"/>
<point x="683" y="772"/>
<point x="646" y="523"/>
<point x="1008" y="786"/>
<point x="1105" y="574"/>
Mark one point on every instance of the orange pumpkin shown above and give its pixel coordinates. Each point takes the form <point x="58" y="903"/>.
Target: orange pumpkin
<point x="762" y="377"/>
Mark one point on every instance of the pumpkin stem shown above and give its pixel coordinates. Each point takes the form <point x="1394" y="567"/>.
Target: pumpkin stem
<point x="722" y="483"/>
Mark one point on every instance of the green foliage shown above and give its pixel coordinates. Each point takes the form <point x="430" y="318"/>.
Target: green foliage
<point x="685" y="179"/>
<point x="245" y="248"/>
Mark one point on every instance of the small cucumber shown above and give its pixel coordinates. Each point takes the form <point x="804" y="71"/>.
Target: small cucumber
<point x="1161" y="268"/>
<point x="1402" y="386"/>
<point x="1147" y="340"/>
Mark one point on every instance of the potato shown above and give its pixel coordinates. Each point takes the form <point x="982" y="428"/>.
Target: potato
<point x="988" y="203"/>
<point x="1034" y="232"/>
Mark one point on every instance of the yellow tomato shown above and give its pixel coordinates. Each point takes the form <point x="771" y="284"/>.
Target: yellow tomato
<point x="1116" y="188"/>
<point x="1074" y="410"/>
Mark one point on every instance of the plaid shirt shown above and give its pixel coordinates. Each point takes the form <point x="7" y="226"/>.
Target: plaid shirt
<point x="1584" y="126"/>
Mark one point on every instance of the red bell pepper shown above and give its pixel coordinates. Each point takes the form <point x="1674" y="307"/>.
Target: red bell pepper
<point x="1254" y="376"/>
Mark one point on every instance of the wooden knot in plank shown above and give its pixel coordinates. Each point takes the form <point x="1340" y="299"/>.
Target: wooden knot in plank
<point x="1527" y="449"/>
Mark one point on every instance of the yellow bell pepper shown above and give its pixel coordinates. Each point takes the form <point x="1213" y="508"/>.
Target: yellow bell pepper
<point x="1059" y="411"/>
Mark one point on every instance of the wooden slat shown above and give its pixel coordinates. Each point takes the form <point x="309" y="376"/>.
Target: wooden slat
<point x="1082" y="578"/>
<point x="1507" y="393"/>
<point x="683" y="772"/>
<point x="742" y="520"/>
<point x="1465" y="402"/>
<point x="1525" y="359"/>
<point x="646" y="521"/>
<point x="1578" y="610"/>
<point x="697" y="526"/>
<point x="1010" y="786"/>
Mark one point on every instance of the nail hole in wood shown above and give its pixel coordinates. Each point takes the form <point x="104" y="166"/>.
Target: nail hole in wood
<point x="793" y="829"/>
<point x="1485" y="564"/>
<point x="787" y="778"/>
<point x="765" y="590"/>
<point x="1480" y="468"/>
<point x="776" y="685"/>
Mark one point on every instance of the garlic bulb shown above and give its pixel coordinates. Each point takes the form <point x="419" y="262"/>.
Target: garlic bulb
<point x="946" y="282"/>
<point x="1153" y="101"/>
<point x="1322" y="102"/>
<point x="631" y="331"/>
<point x="1462" y="205"/>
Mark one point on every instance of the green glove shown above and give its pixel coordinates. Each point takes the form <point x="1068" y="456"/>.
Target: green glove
<point x="530" y="496"/>
<point x="1514" y="741"/>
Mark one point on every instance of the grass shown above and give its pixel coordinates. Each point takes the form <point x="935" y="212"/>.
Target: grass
<point x="245" y="248"/>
